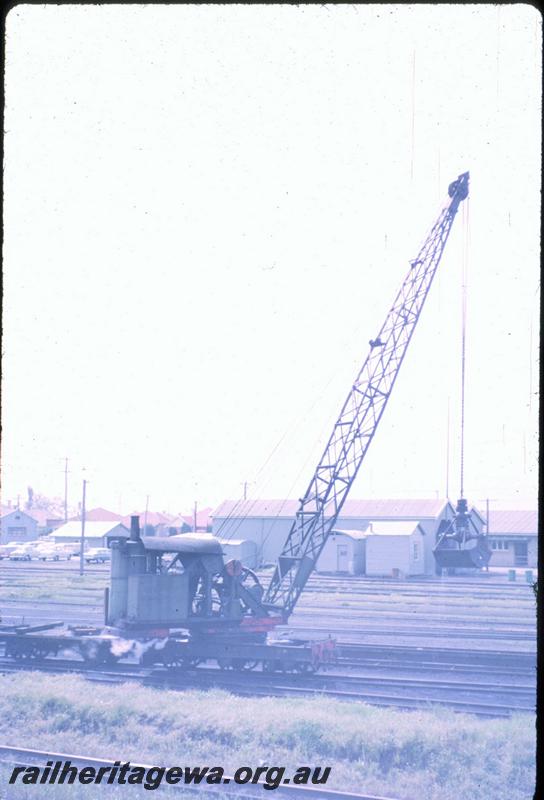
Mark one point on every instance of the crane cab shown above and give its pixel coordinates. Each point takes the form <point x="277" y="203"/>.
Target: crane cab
<point x="175" y="582"/>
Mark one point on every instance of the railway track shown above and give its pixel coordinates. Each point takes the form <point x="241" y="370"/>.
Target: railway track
<point x="21" y="756"/>
<point x="484" y="699"/>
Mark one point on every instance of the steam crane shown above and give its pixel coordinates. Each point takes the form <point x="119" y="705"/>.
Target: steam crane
<point x="359" y="418"/>
<point x="178" y="597"/>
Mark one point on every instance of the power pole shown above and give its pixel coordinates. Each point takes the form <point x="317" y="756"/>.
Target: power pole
<point x="448" y="455"/>
<point x="81" y="556"/>
<point x="65" y="490"/>
<point x="194" y="518"/>
<point x="245" y="490"/>
<point x="145" y="514"/>
<point x="488" y="500"/>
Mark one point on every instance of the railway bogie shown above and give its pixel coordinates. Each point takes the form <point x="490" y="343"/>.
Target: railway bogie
<point x="101" y="648"/>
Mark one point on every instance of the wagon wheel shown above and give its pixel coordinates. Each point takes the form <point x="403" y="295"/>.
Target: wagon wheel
<point x="181" y="662"/>
<point x="273" y="665"/>
<point x="27" y="652"/>
<point x="305" y="668"/>
<point x="249" y="665"/>
<point x="98" y="654"/>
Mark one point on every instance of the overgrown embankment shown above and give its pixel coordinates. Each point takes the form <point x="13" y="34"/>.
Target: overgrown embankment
<point x="436" y="755"/>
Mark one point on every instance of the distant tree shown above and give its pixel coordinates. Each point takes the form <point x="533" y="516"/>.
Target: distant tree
<point x="53" y="505"/>
<point x="30" y="492"/>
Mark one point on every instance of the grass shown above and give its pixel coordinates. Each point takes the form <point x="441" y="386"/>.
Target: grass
<point x="61" y="588"/>
<point x="435" y="755"/>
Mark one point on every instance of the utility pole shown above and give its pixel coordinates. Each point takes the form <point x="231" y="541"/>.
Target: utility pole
<point x="245" y="484"/>
<point x="81" y="556"/>
<point x="488" y="500"/>
<point x="145" y="514"/>
<point x="448" y="455"/>
<point x="194" y="518"/>
<point x="65" y="490"/>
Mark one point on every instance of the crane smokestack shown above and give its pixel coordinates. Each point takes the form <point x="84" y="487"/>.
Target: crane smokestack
<point x="135" y="528"/>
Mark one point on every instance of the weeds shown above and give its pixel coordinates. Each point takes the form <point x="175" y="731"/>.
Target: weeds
<point x="436" y="755"/>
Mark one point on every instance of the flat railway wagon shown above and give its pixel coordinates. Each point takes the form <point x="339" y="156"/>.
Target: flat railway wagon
<point x="175" y="602"/>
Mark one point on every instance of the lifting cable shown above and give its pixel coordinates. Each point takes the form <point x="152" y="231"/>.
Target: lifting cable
<point x="464" y="264"/>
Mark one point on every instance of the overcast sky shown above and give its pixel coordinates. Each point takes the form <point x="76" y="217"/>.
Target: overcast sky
<point x="208" y="213"/>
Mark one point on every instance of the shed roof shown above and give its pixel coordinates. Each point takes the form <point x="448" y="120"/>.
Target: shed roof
<point x="92" y="529"/>
<point x="236" y="542"/>
<point x="523" y="522"/>
<point x="350" y="533"/>
<point x="392" y="528"/>
<point x="369" y="509"/>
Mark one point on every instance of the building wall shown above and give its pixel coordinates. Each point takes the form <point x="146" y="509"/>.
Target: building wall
<point x="245" y="551"/>
<point x="18" y="527"/>
<point x="270" y="533"/>
<point x="328" y="561"/>
<point x="504" y="555"/>
<point x="386" y="553"/>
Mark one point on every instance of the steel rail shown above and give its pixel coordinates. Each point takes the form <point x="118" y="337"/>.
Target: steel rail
<point x="253" y="685"/>
<point x="23" y="756"/>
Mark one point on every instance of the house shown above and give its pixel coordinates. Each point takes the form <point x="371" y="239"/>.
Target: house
<point x="395" y="548"/>
<point x="47" y="520"/>
<point x="97" y="533"/>
<point x="344" y="552"/>
<point x="203" y="520"/>
<point x="99" y="515"/>
<point x="17" y="526"/>
<point x="268" y="522"/>
<point x="513" y="538"/>
<point x="152" y="523"/>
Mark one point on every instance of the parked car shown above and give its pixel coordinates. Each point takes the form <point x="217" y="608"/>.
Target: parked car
<point x="67" y="550"/>
<point x="22" y="553"/>
<point x="7" y="549"/>
<point x="97" y="555"/>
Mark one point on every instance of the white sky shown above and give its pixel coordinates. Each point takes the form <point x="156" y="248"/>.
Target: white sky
<point x="208" y="212"/>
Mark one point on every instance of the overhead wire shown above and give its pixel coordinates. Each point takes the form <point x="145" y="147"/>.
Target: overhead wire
<point x="233" y="521"/>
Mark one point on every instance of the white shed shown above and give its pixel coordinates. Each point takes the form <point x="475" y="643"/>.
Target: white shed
<point x="243" y="550"/>
<point x="395" y="548"/>
<point x="97" y="534"/>
<point x="344" y="551"/>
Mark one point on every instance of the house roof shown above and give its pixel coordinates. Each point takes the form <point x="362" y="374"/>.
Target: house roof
<point x="93" y="528"/>
<point x="523" y="522"/>
<point x="369" y="509"/>
<point x="42" y="516"/>
<point x="10" y="511"/>
<point x="153" y="518"/>
<point x="202" y="517"/>
<point x="99" y="515"/>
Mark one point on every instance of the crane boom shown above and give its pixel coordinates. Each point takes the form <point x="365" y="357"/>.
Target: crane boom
<point x="360" y="415"/>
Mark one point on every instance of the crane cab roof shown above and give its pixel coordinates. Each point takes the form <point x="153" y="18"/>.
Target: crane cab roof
<point x="183" y="543"/>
